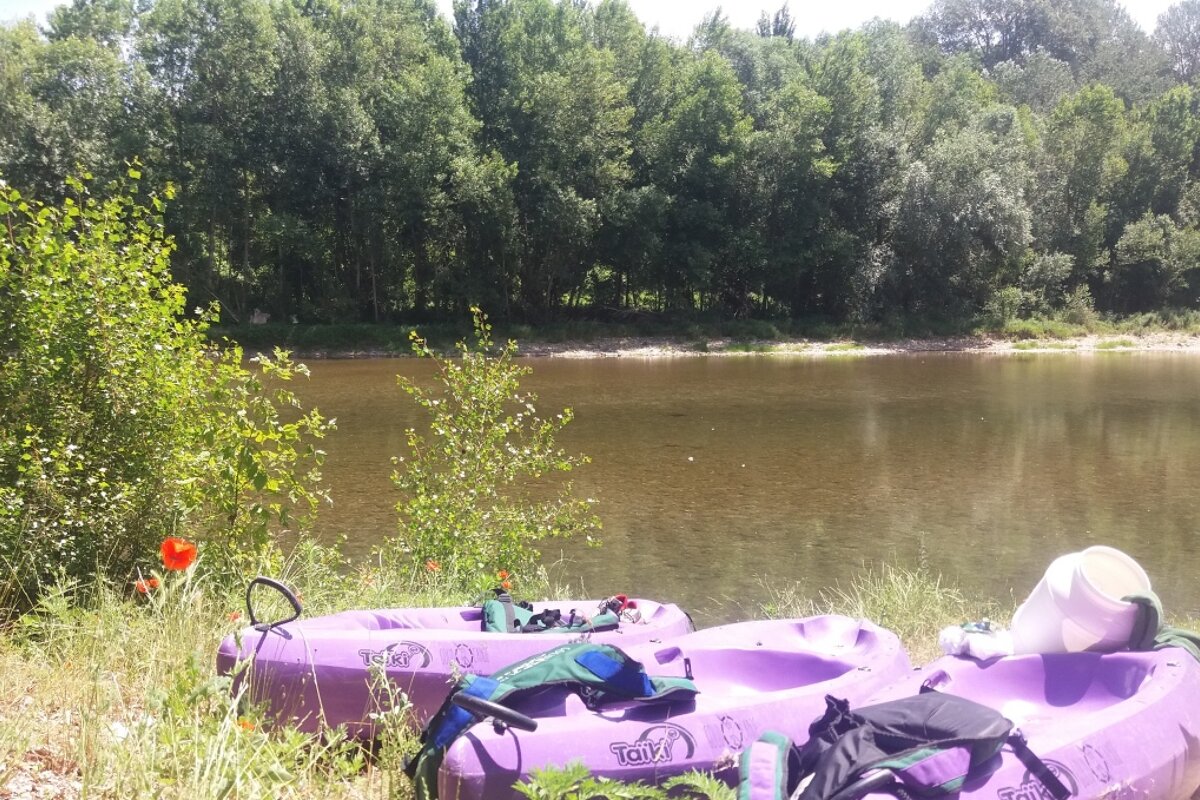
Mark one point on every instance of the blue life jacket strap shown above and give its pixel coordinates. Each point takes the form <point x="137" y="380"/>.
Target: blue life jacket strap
<point x="625" y="676"/>
<point x="459" y="719"/>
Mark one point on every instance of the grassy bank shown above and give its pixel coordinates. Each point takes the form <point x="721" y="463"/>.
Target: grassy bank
<point x="112" y="694"/>
<point x="117" y="696"/>
<point x="697" y="334"/>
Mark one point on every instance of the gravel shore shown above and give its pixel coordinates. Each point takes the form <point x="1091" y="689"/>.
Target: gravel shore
<point x="660" y="348"/>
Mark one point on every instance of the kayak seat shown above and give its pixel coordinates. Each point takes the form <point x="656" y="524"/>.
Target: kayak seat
<point x="1070" y="683"/>
<point x="777" y="670"/>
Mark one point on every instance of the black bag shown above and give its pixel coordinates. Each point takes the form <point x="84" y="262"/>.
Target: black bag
<point x="928" y="744"/>
<point x="931" y="742"/>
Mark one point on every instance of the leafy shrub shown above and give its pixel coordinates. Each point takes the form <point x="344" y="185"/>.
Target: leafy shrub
<point x="575" y="782"/>
<point x="254" y="469"/>
<point x="1005" y="304"/>
<point x="1079" y="308"/>
<point x="1041" y="328"/>
<point x="120" y="423"/>
<point x="477" y="491"/>
<point x="1045" y="274"/>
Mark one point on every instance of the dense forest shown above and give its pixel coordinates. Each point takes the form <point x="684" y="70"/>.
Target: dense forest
<point x="351" y="160"/>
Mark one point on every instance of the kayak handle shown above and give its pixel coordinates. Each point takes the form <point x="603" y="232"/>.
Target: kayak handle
<point x="279" y="587"/>
<point x="503" y="717"/>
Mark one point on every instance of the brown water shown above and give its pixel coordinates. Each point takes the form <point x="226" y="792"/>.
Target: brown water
<point x="718" y="477"/>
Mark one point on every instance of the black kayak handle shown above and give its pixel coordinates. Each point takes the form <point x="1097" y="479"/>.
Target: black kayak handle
<point x="502" y="716"/>
<point x="279" y="587"/>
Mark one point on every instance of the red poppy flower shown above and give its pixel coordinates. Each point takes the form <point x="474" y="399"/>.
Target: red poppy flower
<point x="234" y="616"/>
<point x="144" y="585"/>
<point x="432" y="565"/>
<point x="245" y="724"/>
<point x="506" y="585"/>
<point x="177" y="554"/>
<point x="502" y="574"/>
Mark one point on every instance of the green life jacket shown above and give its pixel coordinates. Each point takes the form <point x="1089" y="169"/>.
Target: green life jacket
<point x="502" y="615"/>
<point x="600" y="673"/>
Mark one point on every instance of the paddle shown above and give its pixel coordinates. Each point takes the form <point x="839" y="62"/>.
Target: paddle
<point x="503" y="717"/>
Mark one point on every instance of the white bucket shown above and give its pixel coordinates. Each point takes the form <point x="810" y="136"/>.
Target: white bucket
<point x="1077" y="604"/>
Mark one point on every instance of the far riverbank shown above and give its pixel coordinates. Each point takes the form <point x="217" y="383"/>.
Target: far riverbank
<point x="367" y="341"/>
<point x="658" y="347"/>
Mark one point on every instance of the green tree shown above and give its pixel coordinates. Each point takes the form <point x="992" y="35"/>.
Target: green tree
<point x="214" y="63"/>
<point x="1150" y="261"/>
<point x="956" y="94"/>
<point x="963" y="225"/>
<point x="553" y="104"/>
<point x="700" y="158"/>
<point x="779" y="24"/>
<point x="106" y="22"/>
<point x="998" y="30"/>
<point x="478" y="491"/>
<point x="1080" y="165"/>
<point x="869" y="155"/>
<point x="1096" y="38"/>
<point x="631" y="246"/>
<point x="1041" y="82"/>
<point x="1174" y="132"/>
<point x="794" y="170"/>
<point x="1178" y="33"/>
<point x="66" y="102"/>
<point x="406" y="107"/>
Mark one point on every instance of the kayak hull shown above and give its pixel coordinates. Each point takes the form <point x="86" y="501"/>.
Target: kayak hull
<point x="1117" y="725"/>
<point x="750" y="676"/>
<point x="318" y="673"/>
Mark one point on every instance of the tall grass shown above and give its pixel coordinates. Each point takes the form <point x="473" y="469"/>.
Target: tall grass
<point x="914" y="603"/>
<point x="116" y="696"/>
<point x="106" y="693"/>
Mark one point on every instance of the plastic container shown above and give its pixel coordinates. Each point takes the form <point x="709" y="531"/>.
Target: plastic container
<point x="1077" y="605"/>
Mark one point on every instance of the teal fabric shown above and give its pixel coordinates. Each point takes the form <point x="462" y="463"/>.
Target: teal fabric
<point x="763" y="766"/>
<point x="495" y="620"/>
<point x="1149" y="633"/>
<point x="607" y="672"/>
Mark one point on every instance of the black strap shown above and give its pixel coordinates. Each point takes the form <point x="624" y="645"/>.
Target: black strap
<point x="1037" y="767"/>
<point x="550" y="618"/>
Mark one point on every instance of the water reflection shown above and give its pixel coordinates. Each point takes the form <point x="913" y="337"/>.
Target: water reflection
<point x="717" y="475"/>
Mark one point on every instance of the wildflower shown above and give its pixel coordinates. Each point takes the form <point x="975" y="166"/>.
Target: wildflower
<point x="145" y="585"/>
<point x="177" y="554"/>
<point x="506" y="585"/>
<point x="234" y="616"/>
<point x="245" y="724"/>
<point x="432" y="566"/>
<point x="502" y="574"/>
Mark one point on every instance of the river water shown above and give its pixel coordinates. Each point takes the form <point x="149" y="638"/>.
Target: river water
<point x="720" y="477"/>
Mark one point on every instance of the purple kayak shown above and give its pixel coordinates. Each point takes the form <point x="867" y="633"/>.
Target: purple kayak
<point x="1117" y="725"/>
<point x="751" y="676"/>
<point x="315" y="673"/>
